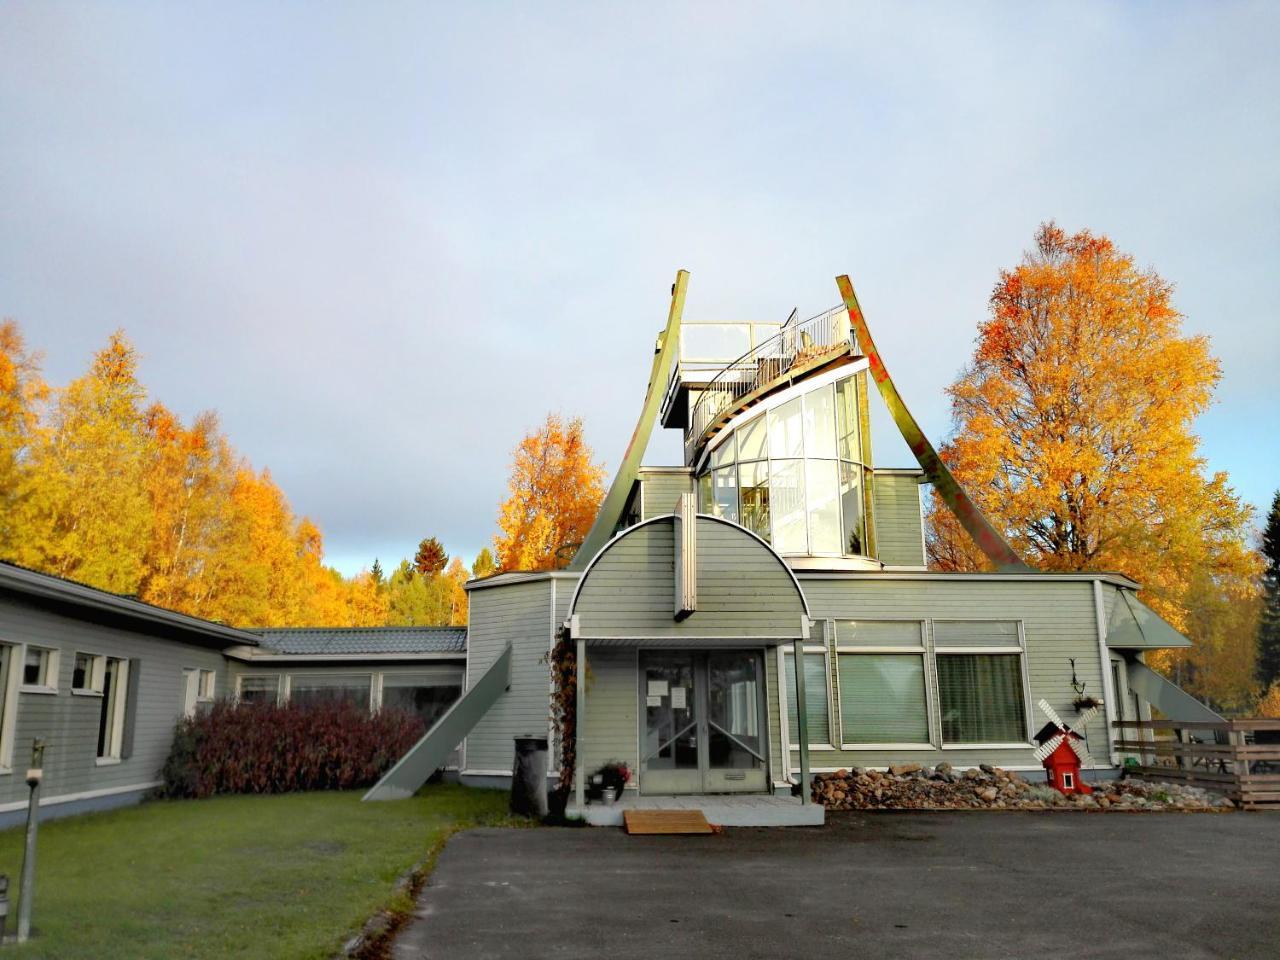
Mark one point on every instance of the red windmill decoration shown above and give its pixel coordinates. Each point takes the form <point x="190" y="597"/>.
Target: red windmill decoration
<point x="1062" y="750"/>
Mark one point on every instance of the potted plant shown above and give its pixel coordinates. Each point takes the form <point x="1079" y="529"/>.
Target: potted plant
<point x="613" y="777"/>
<point x="1083" y="703"/>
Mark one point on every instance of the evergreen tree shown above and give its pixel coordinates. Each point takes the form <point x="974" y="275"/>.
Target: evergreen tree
<point x="430" y="558"/>
<point x="1269" y="622"/>
<point x="376" y="573"/>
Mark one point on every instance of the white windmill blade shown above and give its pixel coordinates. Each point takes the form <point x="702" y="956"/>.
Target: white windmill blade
<point x="1049" y="746"/>
<point x="1082" y="721"/>
<point x="1052" y="714"/>
<point x="1081" y="750"/>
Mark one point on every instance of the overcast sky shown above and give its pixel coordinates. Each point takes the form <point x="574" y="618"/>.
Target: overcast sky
<point x="383" y="240"/>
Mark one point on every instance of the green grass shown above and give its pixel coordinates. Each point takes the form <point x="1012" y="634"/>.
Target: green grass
<point x="245" y="876"/>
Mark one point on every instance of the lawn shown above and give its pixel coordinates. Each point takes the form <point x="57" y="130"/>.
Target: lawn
<point x="239" y="876"/>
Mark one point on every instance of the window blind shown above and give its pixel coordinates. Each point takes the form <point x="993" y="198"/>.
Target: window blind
<point x="815" y="692"/>
<point x="882" y="698"/>
<point x="980" y="697"/>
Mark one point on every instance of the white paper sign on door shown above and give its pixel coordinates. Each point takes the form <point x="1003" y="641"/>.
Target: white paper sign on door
<point x="657" y="688"/>
<point x="653" y="702"/>
<point x="677" y="698"/>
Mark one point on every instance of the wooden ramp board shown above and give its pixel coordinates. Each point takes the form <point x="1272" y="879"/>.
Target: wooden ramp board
<point x="665" y="821"/>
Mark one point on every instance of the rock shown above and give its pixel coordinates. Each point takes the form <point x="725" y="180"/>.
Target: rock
<point x="971" y="774"/>
<point x="943" y="767"/>
<point x="986" y="768"/>
<point x="988" y="793"/>
<point x="901" y="769"/>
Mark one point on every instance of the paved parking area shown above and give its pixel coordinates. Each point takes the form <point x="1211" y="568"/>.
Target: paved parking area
<point x="876" y="886"/>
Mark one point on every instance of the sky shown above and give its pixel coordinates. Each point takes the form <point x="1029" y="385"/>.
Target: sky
<point x="384" y="240"/>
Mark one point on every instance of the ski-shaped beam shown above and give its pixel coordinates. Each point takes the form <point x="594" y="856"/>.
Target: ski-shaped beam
<point x="615" y="501"/>
<point x="966" y="511"/>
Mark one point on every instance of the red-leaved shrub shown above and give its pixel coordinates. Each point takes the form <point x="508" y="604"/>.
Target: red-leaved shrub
<point x="263" y="748"/>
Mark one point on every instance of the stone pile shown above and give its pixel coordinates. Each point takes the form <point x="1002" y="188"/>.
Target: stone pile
<point x="909" y="786"/>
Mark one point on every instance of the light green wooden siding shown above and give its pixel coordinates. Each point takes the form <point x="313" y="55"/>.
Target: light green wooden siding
<point x="69" y="723"/>
<point x="773" y="703"/>
<point x="895" y="505"/>
<point x="610" y="731"/>
<point x="743" y="589"/>
<point x="519" y="613"/>
<point x="1058" y="624"/>
<point x="661" y="490"/>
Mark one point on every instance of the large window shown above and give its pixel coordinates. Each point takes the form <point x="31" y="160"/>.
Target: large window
<point x="325" y="688"/>
<point x="794" y="475"/>
<point x="981" y="691"/>
<point x="259" y="689"/>
<point x="426" y="694"/>
<point x="882" y="683"/>
<point x="818" y="706"/>
<point x="115" y="689"/>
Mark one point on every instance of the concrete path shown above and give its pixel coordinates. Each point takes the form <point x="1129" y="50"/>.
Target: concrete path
<point x="1168" y="886"/>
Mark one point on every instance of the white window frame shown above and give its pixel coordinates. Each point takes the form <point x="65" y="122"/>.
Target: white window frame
<point x="277" y="677"/>
<point x="50" y="670"/>
<point x="930" y="683"/>
<point x="1068" y="780"/>
<point x="1018" y="649"/>
<point x="208" y="695"/>
<point x="10" y="676"/>
<point x="96" y="676"/>
<point x="784" y="651"/>
<point x="119" y="699"/>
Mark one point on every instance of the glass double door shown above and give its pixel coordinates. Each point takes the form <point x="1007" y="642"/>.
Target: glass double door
<point x="704" y="721"/>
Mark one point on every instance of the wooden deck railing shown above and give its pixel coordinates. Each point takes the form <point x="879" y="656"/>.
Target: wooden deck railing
<point x="1240" y="758"/>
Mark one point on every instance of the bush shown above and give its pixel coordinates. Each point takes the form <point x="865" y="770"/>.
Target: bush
<point x="263" y="748"/>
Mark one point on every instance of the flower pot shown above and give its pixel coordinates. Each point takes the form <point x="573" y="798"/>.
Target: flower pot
<point x="609" y="795"/>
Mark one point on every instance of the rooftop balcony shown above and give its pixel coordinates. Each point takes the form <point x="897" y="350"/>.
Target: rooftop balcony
<point x="706" y="392"/>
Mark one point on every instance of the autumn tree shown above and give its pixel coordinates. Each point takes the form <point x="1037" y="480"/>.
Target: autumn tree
<point x="483" y="565"/>
<point x="1269" y="618"/>
<point x="1074" y="433"/>
<point x="82" y="510"/>
<point x="21" y="391"/>
<point x="555" y="492"/>
<point x="430" y="558"/>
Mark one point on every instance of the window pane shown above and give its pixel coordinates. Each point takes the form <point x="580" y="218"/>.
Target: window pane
<point x="429" y="701"/>
<point x="823" y="497"/>
<point x="851" y="508"/>
<point x="847" y="419"/>
<point x="786" y="436"/>
<point x="714" y="341"/>
<point x="815" y="696"/>
<point x="820" y="423"/>
<point x="726" y="493"/>
<point x="753" y="488"/>
<point x="723" y="454"/>
<point x="980" y="697"/>
<point x="259" y="689"/>
<point x="321" y="689"/>
<point x="106" y="715"/>
<point x="206" y="684"/>
<point x="704" y="493"/>
<point x="33" y="667"/>
<point x="751" y="439"/>
<point x="880" y="633"/>
<point x="786" y="494"/>
<point x="82" y="672"/>
<point x="882" y="698"/>
<point x="975" y="633"/>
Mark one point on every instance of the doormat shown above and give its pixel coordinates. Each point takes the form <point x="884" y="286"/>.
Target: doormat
<point x="665" y="821"/>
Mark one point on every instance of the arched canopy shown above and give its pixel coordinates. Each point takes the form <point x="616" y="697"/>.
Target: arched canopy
<point x="745" y="592"/>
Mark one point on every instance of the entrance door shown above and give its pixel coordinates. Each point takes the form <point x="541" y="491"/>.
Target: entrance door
<point x="704" y="729"/>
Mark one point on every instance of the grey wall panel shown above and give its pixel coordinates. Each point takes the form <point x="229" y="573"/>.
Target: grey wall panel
<point x="69" y="723"/>
<point x="895" y="505"/>
<point x="660" y="491"/>
<point x="611" y="728"/>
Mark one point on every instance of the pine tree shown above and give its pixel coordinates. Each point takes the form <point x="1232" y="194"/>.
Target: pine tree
<point x="1269" y="622"/>
<point x="379" y="579"/>
<point x="430" y="558"/>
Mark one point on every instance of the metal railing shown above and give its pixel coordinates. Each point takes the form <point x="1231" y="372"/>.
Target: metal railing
<point x="795" y="344"/>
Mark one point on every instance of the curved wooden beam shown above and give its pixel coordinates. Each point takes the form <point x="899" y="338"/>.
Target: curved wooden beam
<point x="615" y="501"/>
<point x="966" y="511"/>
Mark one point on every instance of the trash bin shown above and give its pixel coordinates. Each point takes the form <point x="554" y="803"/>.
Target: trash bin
<point x="529" y="777"/>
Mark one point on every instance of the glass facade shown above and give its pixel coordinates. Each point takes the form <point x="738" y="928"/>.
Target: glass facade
<point x="794" y="474"/>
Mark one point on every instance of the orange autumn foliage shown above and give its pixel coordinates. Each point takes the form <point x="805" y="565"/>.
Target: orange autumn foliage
<point x="1074" y="433"/>
<point x="555" y="493"/>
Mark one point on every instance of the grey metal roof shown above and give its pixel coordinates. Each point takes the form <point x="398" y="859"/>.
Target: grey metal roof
<point x="331" y="641"/>
<point x="98" y="604"/>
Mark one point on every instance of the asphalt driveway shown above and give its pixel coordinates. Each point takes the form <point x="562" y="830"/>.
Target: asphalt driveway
<point x="875" y="886"/>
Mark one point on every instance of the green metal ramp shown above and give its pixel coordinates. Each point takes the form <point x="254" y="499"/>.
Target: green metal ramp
<point x="428" y="754"/>
<point x="1170" y="699"/>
